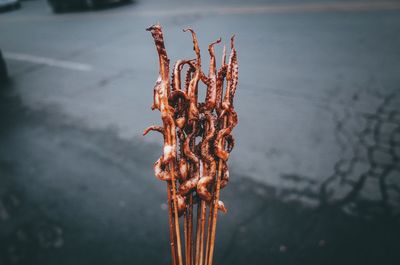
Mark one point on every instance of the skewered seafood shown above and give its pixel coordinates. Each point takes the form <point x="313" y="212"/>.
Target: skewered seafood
<point x="194" y="170"/>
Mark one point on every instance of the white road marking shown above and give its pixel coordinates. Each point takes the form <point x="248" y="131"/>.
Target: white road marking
<point x="47" y="61"/>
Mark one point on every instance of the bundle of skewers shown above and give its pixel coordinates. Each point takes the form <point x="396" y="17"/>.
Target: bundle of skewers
<point x="197" y="143"/>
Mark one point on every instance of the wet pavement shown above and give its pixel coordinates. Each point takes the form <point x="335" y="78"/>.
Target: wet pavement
<point x="315" y="173"/>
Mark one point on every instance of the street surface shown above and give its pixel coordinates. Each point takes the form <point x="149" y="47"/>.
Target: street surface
<point x="315" y="173"/>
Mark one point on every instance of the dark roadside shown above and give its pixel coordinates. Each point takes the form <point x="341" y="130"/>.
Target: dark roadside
<point x="73" y="195"/>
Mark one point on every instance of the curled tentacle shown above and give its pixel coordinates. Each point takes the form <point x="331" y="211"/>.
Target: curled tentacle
<point x="188" y="185"/>
<point x="153" y="128"/>
<point x="159" y="166"/>
<point x="180" y="100"/>
<point x="225" y="175"/>
<point x="181" y="203"/>
<point x="160" y="170"/>
<point x="206" y="195"/>
<point x="219" y="145"/>
<point x="221" y="207"/>
<point x="219" y="148"/>
<point x="230" y="142"/>
<point x="176" y="73"/>
<point x="202" y="188"/>
<point x="186" y="145"/>
<point x="195" y="45"/>
<point x="209" y="135"/>
<point x="191" y="183"/>
<point x="178" y="94"/>
<point x="208" y="159"/>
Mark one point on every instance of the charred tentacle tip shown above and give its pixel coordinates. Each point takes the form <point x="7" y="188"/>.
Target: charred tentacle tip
<point x="215" y="42"/>
<point x="221" y="207"/>
<point x="154" y="27"/>
<point x="188" y="29"/>
<point x="233" y="41"/>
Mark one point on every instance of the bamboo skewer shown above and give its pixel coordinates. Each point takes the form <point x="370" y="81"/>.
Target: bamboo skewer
<point x="209" y="221"/>
<point x="185" y="232"/>
<point x="215" y="215"/>
<point x="190" y="228"/>
<point x="176" y="220"/>
<point x="202" y="234"/>
<point x="199" y="231"/>
<point x="171" y="226"/>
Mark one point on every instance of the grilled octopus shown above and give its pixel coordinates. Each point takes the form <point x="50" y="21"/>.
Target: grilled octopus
<point x="208" y="159"/>
<point x="161" y="102"/>
<point x="183" y="116"/>
<point x="192" y="125"/>
<point x="227" y="115"/>
<point x="161" y="95"/>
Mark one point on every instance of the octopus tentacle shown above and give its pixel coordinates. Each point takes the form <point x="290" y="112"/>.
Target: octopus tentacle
<point x="193" y="113"/>
<point x="211" y="93"/>
<point x="225" y="175"/>
<point x="153" y="128"/>
<point x="230" y="142"/>
<point x="181" y="203"/>
<point x="191" y="183"/>
<point x="160" y="170"/>
<point x="220" y="81"/>
<point x="158" y="37"/>
<point x="207" y="159"/>
<point x="223" y="133"/>
<point x="176" y="75"/>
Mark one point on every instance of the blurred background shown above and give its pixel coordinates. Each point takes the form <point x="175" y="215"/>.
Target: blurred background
<point x="315" y="174"/>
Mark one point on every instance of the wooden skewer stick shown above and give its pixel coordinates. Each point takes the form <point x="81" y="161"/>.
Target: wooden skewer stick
<point x="176" y="220"/>
<point x="215" y="215"/>
<point x="185" y="232"/>
<point x="171" y="224"/>
<point x="209" y="227"/>
<point x="190" y="229"/>
<point x="199" y="226"/>
<point x="188" y="226"/>
<point x="203" y="216"/>
<point x="202" y="234"/>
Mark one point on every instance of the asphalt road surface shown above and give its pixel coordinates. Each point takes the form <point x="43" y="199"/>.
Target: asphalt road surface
<point x="315" y="175"/>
